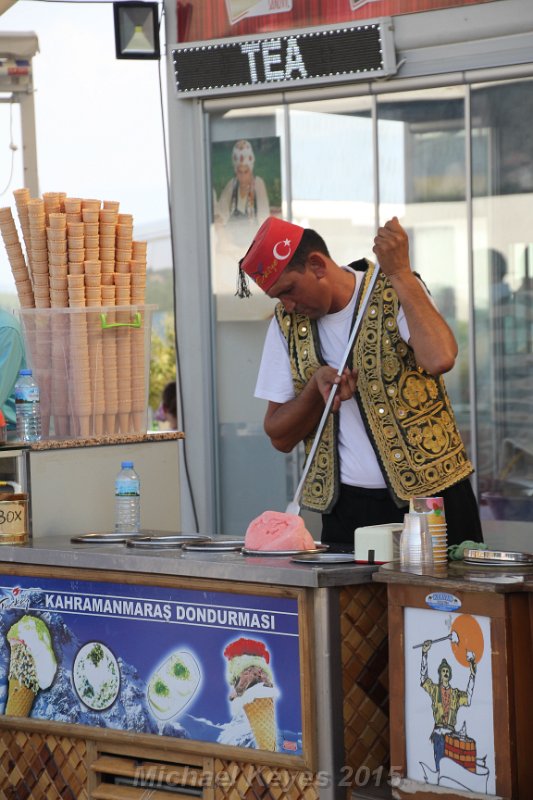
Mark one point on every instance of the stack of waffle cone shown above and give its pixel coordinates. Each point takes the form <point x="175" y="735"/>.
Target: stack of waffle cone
<point x="261" y="716"/>
<point x="22" y="197"/>
<point x="108" y="219"/>
<point x="38" y="252"/>
<point x="110" y="365"/>
<point x="93" y="292"/>
<point x="80" y="375"/>
<point x="80" y="254"/>
<point x="138" y="355"/>
<point x="16" y="258"/>
<point x="52" y="204"/>
<point x="56" y="234"/>
<point x="42" y="354"/>
<point x="123" y="317"/>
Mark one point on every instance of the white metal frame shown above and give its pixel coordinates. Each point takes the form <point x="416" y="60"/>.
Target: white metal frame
<point x="22" y="46"/>
<point x="478" y="43"/>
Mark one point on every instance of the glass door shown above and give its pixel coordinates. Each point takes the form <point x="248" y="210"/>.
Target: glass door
<point x="502" y="146"/>
<point x="422" y="179"/>
<point x="247" y="184"/>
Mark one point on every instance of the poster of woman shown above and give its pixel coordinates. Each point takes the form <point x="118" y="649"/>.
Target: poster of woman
<point x="246" y="181"/>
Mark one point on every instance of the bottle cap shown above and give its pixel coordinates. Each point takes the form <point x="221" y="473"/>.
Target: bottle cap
<point x="127" y="465"/>
<point x="25" y="372"/>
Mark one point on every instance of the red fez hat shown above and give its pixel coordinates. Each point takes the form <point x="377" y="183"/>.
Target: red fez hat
<point x="273" y="247"/>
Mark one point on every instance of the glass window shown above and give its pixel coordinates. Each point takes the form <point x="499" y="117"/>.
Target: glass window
<point x="332" y="174"/>
<point x="247" y="184"/>
<point x="502" y="120"/>
<point x="421" y="141"/>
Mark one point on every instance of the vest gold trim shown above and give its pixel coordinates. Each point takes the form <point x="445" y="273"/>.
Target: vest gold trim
<point x="406" y="411"/>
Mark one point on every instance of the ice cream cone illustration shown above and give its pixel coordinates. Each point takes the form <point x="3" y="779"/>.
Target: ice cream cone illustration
<point x="32" y="665"/>
<point x="260" y="713"/>
<point x="253" y="689"/>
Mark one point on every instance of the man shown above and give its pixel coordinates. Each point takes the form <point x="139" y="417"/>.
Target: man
<point x="392" y="435"/>
<point x="11" y="361"/>
<point x="445" y="700"/>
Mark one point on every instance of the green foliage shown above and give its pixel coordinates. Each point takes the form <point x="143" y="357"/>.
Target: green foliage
<point x="162" y="360"/>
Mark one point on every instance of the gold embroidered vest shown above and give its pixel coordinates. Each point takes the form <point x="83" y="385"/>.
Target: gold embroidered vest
<point x="406" y="411"/>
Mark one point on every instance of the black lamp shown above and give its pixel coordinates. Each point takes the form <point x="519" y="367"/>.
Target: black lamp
<point x="136" y="30"/>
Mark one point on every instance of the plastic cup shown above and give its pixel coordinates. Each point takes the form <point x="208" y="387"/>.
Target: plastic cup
<point x="416" y="546"/>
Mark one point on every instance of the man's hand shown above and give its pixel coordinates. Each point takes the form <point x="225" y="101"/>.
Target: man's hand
<point x="425" y="647"/>
<point x="326" y="378"/>
<point x="391" y="247"/>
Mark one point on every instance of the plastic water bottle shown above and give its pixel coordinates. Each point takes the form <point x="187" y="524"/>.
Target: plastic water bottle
<point x="27" y="408"/>
<point x="127" y="499"/>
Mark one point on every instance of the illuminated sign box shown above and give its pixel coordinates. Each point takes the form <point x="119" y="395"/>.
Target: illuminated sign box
<point x="318" y="55"/>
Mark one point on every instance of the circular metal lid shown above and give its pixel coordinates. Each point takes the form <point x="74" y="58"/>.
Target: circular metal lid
<point x="320" y="548"/>
<point x="167" y="540"/>
<point x="113" y="537"/>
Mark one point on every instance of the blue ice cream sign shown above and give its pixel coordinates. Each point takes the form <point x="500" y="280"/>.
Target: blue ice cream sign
<point x="211" y="666"/>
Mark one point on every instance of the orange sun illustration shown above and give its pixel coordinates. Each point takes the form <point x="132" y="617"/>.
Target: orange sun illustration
<point x="470" y="639"/>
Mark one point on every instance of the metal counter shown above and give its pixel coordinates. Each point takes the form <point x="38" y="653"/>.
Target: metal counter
<point x="58" y="551"/>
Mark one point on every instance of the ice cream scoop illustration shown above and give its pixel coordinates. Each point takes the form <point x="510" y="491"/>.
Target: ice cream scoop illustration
<point x="173" y="684"/>
<point x="96" y="676"/>
<point x="32" y="666"/>
<point x="252" y="688"/>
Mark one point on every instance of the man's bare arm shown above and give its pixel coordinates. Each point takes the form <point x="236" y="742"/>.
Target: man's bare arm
<point x="431" y="337"/>
<point x="288" y="423"/>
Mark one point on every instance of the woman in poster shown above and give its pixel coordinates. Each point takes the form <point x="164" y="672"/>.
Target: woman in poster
<point x="245" y="196"/>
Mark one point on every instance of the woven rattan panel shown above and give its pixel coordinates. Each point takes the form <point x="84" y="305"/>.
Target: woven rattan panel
<point x="37" y="767"/>
<point x="364" y="652"/>
<point x="237" y="781"/>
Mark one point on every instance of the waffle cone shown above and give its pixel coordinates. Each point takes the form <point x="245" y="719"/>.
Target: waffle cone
<point x="19" y="699"/>
<point x="260" y="713"/>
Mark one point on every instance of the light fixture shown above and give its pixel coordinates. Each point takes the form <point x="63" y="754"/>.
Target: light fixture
<point x="136" y="30"/>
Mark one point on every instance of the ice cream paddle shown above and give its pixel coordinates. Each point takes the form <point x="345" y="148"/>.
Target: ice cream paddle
<point x="294" y="505"/>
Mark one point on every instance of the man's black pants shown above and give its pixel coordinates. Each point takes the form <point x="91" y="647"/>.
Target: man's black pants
<point x="357" y="507"/>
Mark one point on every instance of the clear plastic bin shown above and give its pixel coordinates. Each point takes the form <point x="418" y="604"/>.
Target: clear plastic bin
<point x="92" y="366"/>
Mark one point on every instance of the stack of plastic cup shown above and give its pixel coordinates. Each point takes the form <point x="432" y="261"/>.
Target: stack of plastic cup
<point x="433" y="509"/>
<point x="416" y="548"/>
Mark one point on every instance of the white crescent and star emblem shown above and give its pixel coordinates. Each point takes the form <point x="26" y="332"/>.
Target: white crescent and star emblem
<point x="278" y="252"/>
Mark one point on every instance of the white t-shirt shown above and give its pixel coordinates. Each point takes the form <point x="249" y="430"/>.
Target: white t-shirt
<point x="358" y="463"/>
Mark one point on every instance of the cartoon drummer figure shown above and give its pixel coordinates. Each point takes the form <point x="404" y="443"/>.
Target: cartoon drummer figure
<point x="445" y="699"/>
